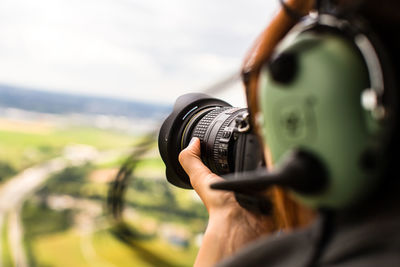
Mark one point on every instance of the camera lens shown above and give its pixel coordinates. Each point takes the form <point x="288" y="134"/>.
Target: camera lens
<point x="221" y="128"/>
<point x="215" y="130"/>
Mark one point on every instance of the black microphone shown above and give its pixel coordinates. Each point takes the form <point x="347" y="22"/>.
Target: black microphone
<point x="301" y="172"/>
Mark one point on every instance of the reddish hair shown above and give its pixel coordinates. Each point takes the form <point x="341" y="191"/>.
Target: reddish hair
<point x="287" y="214"/>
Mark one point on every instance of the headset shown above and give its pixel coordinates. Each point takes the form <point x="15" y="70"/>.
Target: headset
<point x="329" y="92"/>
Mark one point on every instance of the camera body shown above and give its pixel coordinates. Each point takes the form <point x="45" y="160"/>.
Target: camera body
<point x="227" y="143"/>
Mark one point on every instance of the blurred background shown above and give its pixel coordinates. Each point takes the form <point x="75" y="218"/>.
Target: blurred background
<point x="84" y="85"/>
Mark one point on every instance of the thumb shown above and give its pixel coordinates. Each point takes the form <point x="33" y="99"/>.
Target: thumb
<point x="192" y="164"/>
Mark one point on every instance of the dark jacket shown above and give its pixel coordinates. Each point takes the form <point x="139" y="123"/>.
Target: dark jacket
<point x="360" y="237"/>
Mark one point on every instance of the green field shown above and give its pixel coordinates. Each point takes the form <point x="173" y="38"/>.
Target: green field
<point x="5" y="251"/>
<point x="19" y="150"/>
<point x="101" y="248"/>
<point x="54" y="236"/>
<point x="154" y="202"/>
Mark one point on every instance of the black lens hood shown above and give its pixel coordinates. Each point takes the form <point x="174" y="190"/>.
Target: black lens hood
<point x="170" y="135"/>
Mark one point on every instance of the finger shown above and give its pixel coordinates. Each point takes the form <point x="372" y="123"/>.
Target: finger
<point x="191" y="162"/>
<point x="200" y="176"/>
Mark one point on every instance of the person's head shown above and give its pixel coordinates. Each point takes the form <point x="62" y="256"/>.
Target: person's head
<point x="320" y="90"/>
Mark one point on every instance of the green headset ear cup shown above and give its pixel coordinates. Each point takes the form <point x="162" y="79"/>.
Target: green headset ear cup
<point x="320" y="110"/>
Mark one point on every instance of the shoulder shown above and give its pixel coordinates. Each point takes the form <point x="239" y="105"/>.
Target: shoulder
<point x="292" y="249"/>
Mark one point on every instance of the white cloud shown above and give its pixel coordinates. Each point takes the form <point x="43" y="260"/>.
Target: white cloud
<point x="141" y="49"/>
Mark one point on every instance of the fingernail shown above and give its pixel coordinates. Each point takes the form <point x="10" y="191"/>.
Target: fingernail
<point x="192" y="141"/>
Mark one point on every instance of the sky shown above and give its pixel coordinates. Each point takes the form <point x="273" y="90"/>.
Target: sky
<point x="150" y="50"/>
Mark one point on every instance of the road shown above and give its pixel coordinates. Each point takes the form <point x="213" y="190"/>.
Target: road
<point x="12" y="196"/>
<point x="22" y="186"/>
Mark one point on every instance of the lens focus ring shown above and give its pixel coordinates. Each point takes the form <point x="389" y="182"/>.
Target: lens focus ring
<point x="215" y="130"/>
<point x="204" y="123"/>
<point x="220" y="148"/>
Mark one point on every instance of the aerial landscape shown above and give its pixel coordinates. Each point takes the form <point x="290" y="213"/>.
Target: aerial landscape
<point x="59" y="158"/>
